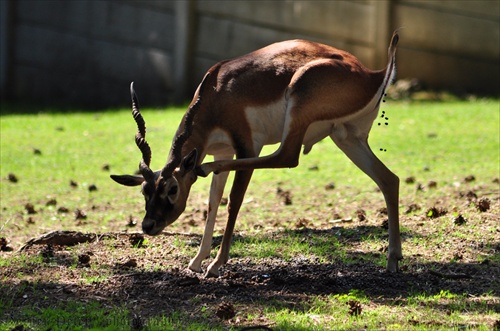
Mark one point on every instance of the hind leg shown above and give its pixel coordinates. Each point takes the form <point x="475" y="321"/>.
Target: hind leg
<point x="286" y="156"/>
<point x="355" y="145"/>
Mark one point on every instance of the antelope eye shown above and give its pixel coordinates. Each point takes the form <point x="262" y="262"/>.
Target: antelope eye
<point x="173" y="190"/>
<point x="168" y="190"/>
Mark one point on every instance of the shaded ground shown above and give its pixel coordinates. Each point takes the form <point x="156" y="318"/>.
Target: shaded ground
<point x="243" y="282"/>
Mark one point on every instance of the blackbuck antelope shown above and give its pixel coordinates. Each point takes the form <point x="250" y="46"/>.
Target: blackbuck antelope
<point x="294" y="92"/>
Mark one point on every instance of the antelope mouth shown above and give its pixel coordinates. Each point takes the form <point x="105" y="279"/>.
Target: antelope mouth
<point x="149" y="227"/>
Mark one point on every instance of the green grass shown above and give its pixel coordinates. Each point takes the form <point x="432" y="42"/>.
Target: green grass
<point x="289" y="245"/>
<point x="444" y="142"/>
<point x="419" y="313"/>
<point x="431" y="141"/>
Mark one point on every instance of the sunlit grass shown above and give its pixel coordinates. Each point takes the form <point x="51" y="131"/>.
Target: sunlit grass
<point x="442" y="311"/>
<point x="430" y="141"/>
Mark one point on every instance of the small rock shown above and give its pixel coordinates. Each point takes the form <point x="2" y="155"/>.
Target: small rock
<point x="459" y="220"/>
<point x="286" y="196"/>
<point x="382" y="211"/>
<point x="84" y="259"/>
<point x="131" y="222"/>
<point x="80" y="214"/>
<point x="51" y="202"/>
<point x="410" y="180"/>
<point x="469" y="179"/>
<point x="12" y="178"/>
<point x="62" y="210"/>
<point x="30" y="208"/>
<point x="225" y="311"/>
<point x="470" y="195"/>
<point x="4" y="247"/>
<point x="92" y="188"/>
<point x="330" y="186"/>
<point x="302" y="223"/>
<point x="483" y="204"/>
<point x="436" y="212"/>
<point x="336" y="216"/>
<point x="412" y="208"/>
<point x="432" y="184"/>
<point x="73" y="184"/>
<point x="354" y="307"/>
<point x="361" y="215"/>
<point x="432" y="135"/>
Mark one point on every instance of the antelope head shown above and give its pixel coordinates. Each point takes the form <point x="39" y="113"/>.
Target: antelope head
<point x="165" y="191"/>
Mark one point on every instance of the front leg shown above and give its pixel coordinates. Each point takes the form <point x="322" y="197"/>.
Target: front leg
<point x="216" y="192"/>
<point x="287" y="156"/>
<point x="240" y="184"/>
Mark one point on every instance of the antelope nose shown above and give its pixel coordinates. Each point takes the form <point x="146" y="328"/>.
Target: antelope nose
<point x="148" y="225"/>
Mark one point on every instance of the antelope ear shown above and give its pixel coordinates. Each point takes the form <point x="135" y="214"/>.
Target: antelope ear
<point x="189" y="162"/>
<point x="128" y="180"/>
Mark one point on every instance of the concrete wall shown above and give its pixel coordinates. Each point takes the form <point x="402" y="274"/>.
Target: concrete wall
<point x="450" y="44"/>
<point x="85" y="53"/>
<point x="228" y="29"/>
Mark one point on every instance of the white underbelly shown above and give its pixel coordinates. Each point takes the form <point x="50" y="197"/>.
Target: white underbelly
<point x="219" y="143"/>
<point x="266" y="123"/>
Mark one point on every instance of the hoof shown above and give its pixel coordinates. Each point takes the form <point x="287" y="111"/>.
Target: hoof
<point x="196" y="269"/>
